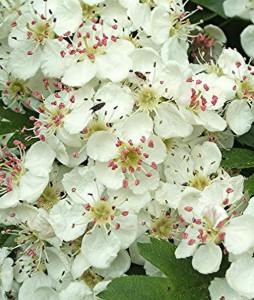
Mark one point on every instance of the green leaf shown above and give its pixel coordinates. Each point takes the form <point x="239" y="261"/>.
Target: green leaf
<point x="138" y="287"/>
<point x="238" y="158"/>
<point x="249" y="185"/>
<point x="12" y="122"/>
<point x="214" y="5"/>
<point x="180" y="271"/>
<point x="248" y="138"/>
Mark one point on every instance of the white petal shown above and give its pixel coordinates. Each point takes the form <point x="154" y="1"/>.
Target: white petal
<point x="78" y="118"/>
<point x="94" y="242"/>
<point x="113" y="66"/>
<point x="207" y="259"/>
<point x="67" y="220"/>
<point x="79" y="266"/>
<point x="101" y="146"/>
<point x="112" y="179"/>
<point x="239" y="116"/>
<point x="22" y="65"/>
<point x="127" y="233"/>
<point x="79" y="73"/>
<point x="135" y="127"/>
<point x="219" y="288"/>
<point x="239" y="234"/>
<point x="39" y="159"/>
<point x="118" y="267"/>
<point x="169" y="122"/>
<point x="212" y="121"/>
<point x="207" y="157"/>
<point x="118" y="102"/>
<point x="247" y="40"/>
<point x="68" y="16"/>
<point x="240" y="276"/>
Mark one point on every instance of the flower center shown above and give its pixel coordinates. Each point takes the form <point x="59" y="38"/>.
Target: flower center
<point x="40" y="30"/>
<point x="94" y="126"/>
<point x="102" y="212"/>
<point x="162" y="227"/>
<point x="88" y="11"/>
<point x="48" y="198"/>
<point x="199" y="181"/>
<point x="91" y="278"/>
<point x="245" y="89"/>
<point x="147" y="98"/>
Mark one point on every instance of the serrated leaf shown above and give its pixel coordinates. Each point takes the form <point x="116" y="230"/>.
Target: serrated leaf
<point x="214" y="5"/>
<point x="180" y="271"/>
<point x="238" y="158"/>
<point x="249" y="185"/>
<point x="138" y="288"/>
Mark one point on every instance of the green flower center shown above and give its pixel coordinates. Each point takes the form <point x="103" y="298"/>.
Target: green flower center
<point x="91" y="278"/>
<point x="162" y="227"/>
<point x="41" y="31"/>
<point x="49" y="198"/>
<point x="102" y="212"/>
<point x="245" y="89"/>
<point x="88" y="11"/>
<point x="200" y="181"/>
<point x="147" y="99"/>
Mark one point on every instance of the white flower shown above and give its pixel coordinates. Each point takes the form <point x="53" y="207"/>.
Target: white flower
<point x="97" y="52"/>
<point x="203" y="95"/>
<point x="35" y="45"/>
<point x="130" y="160"/>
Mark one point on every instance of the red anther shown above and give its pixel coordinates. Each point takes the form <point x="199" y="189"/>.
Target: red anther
<point x="75" y="154"/>
<point x="148" y="174"/>
<point x="117" y="226"/>
<point x="225" y="201"/>
<point x="221" y="236"/>
<point x="229" y="190"/>
<point x="125" y="183"/>
<point x="185" y="235"/>
<point x="198" y="81"/>
<point x="114" y="26"/>
<point x="206" y="87"/>
<point x="137" y="182"/>
<point x="42" y="138"/>
<point x="238" y="64"/>
<point x="62" y="53"/>
<point x="131" y="169"/>
<point x="124" y="170"/>
<point x="125" y="213"/>
<point x="30" y="52"/>
<point x="87" y="207"/>
<point x="150" y="144"/>
<point x="72" y="99"/>
<point x="191" y="242"/>
<point x="16" y="142"/>
<point x="188" y="208"/>
<point x="12" y="215"/>
<point x="130" y="142"/>
<point x="189" y="79"/>
<point x="143" y="139"/>
<point x="145" y="155"/>
<point x="214" y="100"/>
<point x="68" y="33"/>
<point x="13" y="24"/>
<point x="154" y="165"/>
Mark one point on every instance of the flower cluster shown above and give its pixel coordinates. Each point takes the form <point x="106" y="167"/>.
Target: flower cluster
<point x="127" y="146"/>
